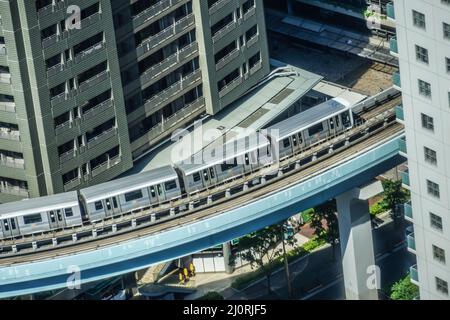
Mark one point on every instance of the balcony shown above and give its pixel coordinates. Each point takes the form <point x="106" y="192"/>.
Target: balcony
<point x="97" y="109"/>
<point x="93" y="81"/>
<point x="52" y="7"/>
<point x="153" y="11"/>
<point x="12" y="163"/>
<point x="399" y="113"/>
<point x="408" y="211"/>
<point x="249" y="13"/>
<point x="252" y="40"/>
<point x="67" y="156"/>
<point x="63" y="127"/>
<point x="8" y="106"/>
<point x="83" y="55"/>
<point x="2" y="49"/>
<point x="47" y="42"/>
<point x="168" y="93"/>
<point x="255" y="68"/>
<point x="227" y="59"/>
<point x="396" y="80"/>
<point x="411" y="242"/>
<point x="165" y="35"/>
<point x="5" y="78"/>
<point x="105" y="135"/>
<point x="224" y="31"/>
<point x="393" y="45"/>
<point x="105" y="166"/>
<point x="414" y="274"/>
<point x="72" y="184"/>
<point x="218" y="5"/>
<point x="15" y="191"/>
<point x="58" y="98"/>
<point x="230" y="86"/>
<point x="11" y="135"/>
<point x="402" y="146"/>
<point x="390" y="10"/>
<point x="405" y="178"/>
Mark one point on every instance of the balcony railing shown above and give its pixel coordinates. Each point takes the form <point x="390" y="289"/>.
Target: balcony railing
<point x="15" y="191"/>
<point x="229" y="87"/>
<point x="105" y="166"/>
<point x="226" y="59"/>
<point x="411" y="242"/>
<point x="218" y="5"/>
<point x="5" y="78"/>
<point x="393" y="45"/>
<point x="396" y="79"/>
<point x="105" y="135"/>
<point x="414" y="274"/>
<point x="69" y="155"/>
<point x="390" y="10"/>
<point x="91" y="82"/>
<point x="256" y="67"/>
<point x="165" y="95"/>
<point x="47" y="42"/>
<point x="224" y="31"/>
<point x="405" y="178"/>
<point x="249" y="13"/>
<point x="3" y="49"/>
<point x="153" y="11"/>
<point x="58" y="98"/>
<point x="399" y="113"/>
<point x="97" y="109"/>
<point x="402" y="146"/>
<point x="13" y="135"/>
<point x="8" y="106"/>
<point x="408" y="211"/>
<point x="88" y="52"/>
<point x="165" y="35"/>
<point x="63" y="127"/>
<point x="252" y="40"/>
<point x="72" y="184"/>
<point x="13" y="163"/>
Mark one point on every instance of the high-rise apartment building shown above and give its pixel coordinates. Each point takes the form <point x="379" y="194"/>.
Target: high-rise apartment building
<point x="78" y="105"/>
<point x="423" y="46"/>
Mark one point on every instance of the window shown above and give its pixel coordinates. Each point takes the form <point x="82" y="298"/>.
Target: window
<point x="418" y="19"/>
<point x="447" y="65"/>
<point x="446" y="2"/>
<point x="441" y="286"/>
<point x="446" y="27"/>
<point x="32" y="218"/>
<point x="427" y="122"/>
<point x="422" y="54"/>
<point x="424" y="88"/>
<point x="134" y="195"/>
<point x="286" y="143"/>
<point x="435" y="222"/>
<point x="430" y="156"/>
<point x="433" y="189"/>
<point x="170" y="185"/>
<point x="196" y="177"/>
<point x="315" y="129"/>
<point x="438" y="254"/>
<point x="98" y="205"/>
<point x="68" y="212"/>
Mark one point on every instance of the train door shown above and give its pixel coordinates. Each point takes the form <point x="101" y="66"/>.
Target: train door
<point x="206" y="177"/>
<point x="301" y="140"/>
<point x="10" y="227"/>
<point x="248" y="161"/>
<point x="56" y="219"/>
<point x="111" y="206"/>
<point x="346" y="119"/>
<point x="157" y="194"/>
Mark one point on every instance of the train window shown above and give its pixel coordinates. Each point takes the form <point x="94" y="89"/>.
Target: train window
<point x="331" y="124"/>
<point x="52" y="216"/>
<point x="152" y="191"/>
<point x="294" y="140"/>
<point x="211" y="173"/>
<point x="134" y="195"/>
<point x="196" y="177"/>
<point x="32" y="218"/>
<point x="59" y="215"/>
<point x="205" y="175"/>
<point x="286" y="143"/>
<point x="108" y="204"/>
<point x="300" y="138"/>
<point x="158" y="187"/>
<point x="247" y="159"/>
<point x="228" y="166"/>
<point x="115" y="203"/>
<point x="170" y="185"/>
<point x="98" y="205"/>
<point x="346" y="119"/>
<point x="315" y="129"/>
<point x="337" y="121"/>
<point x="68" y="212"/>
<point x="5" y="222"/>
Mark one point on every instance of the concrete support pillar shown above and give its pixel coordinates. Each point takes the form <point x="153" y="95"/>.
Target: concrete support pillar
<point x="355" y="229"/>
<point x="245" y="188"/>
<point x="191" y="205"/>
<point x="209" y="200"/>
<point x="229" y="268"/>
<point x="227" y="193"/>
<point x="297" y="165"/>
<point x="172" y="212"/>
<point x="280" y="173"/>
<point x="263" y="180"/>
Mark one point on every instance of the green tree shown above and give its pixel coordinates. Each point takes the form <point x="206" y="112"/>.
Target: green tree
<point x="404" y="289"/>
<point x="325" y="223"/>
<point x="394" y="195"/>
<point x="262" y="249"/>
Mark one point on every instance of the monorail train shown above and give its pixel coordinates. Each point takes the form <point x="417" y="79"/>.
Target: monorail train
<point x="150" y="188"/>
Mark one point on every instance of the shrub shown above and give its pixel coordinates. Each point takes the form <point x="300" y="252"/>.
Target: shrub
<point x="212" y="295"/>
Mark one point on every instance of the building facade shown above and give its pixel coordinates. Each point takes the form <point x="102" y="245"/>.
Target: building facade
<point x="78" y="105"/>
<point x="423" y="42"/>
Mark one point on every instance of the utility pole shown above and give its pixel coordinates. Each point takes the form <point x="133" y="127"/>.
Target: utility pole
<point x="286" y="263"/>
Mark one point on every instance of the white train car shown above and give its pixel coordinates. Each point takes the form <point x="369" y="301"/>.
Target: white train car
<point x="311" y="126"/>
<point x="40" y="214"/>
<point x="130" y="193"/>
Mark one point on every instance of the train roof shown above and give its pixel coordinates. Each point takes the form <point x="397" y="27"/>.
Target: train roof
<point x="238" y="145"/>
<point x="36" y="205"/>
<point x="309" y="118"/>
<point x="127" y="184"/>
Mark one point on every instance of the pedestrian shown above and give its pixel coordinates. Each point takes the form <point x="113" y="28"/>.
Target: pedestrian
<point x="186" y="273"/>
<point x="181" y="277"/>
<point x="192" y="269"/>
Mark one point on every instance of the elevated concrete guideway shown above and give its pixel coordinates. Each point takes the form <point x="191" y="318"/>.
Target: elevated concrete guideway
<point x="325" y="180"/>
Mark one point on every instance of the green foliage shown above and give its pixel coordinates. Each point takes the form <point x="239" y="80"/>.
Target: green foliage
<point x="326" y="212"/>
<point x="378" y="208"/>
<point x="394" y="194"/>
<point x="212" y="295"/>
<point x="404" y="290"/>
<point x="307" y="215"/>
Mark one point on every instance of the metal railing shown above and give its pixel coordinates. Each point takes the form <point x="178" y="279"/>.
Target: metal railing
<point x="8" y="106"/>
<point x="414" y="274"/>
<point x="72" y="184"/>
<point x="249" y="13"/>
<point x="13" y="135"/>
<point x="217" y="6"/>
<point x="408" y="210"/>
<point x="399" y="113"/>
<point x="105" y="166"/>
<point x="69" y="155"/>
<point x="17" y="164"/>
<point x="101" y="137"/>
<point x="224" y="31"/>
<point x="230" y="86"/>
<point x="89" y="83"/>
<point x="97" y="109"/>
<point x="15" y="191"/>
<point x="256" y="67"/>
<point x="89" y="51"/>
<point x="233" y="54"/>
<point x="411" y="242"/>
<point x="253" y="40"/>
<point x="153" y="11"/>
